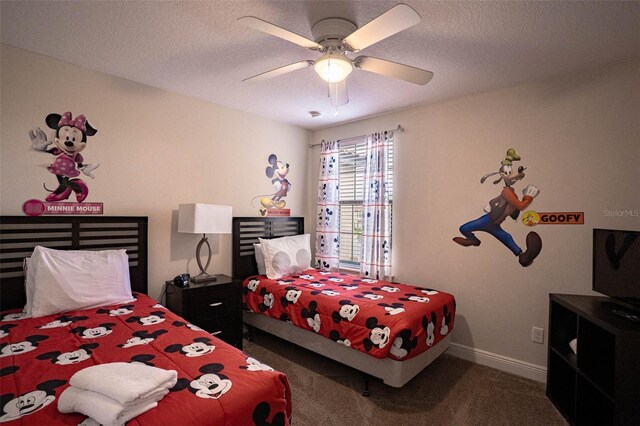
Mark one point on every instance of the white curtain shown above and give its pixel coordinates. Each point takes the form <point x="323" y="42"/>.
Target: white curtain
<point x="328" y="221"/>
<point x="376" y="233"/>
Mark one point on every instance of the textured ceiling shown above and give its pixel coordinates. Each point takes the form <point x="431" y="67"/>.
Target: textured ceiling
<point x="197" y="48"/>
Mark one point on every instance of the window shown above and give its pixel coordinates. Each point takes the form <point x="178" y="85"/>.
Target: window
<point x="352" y="168"/>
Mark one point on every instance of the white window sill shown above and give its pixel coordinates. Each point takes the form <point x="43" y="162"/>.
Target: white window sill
<point x="349" y="270"/>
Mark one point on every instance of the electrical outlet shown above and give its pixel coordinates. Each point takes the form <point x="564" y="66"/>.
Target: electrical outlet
<point x="537" y="335"/>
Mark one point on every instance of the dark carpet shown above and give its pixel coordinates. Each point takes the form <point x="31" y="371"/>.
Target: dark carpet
<point x="450" y="391"/>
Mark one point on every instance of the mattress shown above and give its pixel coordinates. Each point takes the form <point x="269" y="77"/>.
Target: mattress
<point x="379" y="318"/>
<point x="217" y="383"/>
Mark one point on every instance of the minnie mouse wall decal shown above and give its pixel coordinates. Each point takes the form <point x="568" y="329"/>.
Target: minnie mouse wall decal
<point x="70" y="139"/>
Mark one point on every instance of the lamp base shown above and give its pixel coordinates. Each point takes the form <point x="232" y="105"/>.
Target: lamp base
<point x="203" y="278"/>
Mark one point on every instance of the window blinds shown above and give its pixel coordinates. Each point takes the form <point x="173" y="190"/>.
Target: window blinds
<point x="352" y="168"/>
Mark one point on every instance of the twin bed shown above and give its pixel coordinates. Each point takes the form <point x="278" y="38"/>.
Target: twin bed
<point x="217" y="384"/>
<point x="386" y="330"/>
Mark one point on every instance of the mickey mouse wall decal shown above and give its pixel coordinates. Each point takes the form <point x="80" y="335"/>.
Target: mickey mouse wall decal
<point x="273" y="204"/>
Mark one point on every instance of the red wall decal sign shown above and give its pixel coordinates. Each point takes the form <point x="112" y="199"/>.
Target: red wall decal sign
<point x="532" y="218"/>
<point x="37" y="208"/>
<point x="278" y="212"/>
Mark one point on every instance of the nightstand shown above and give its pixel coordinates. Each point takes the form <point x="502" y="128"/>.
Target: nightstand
<point x="213" y="306"/>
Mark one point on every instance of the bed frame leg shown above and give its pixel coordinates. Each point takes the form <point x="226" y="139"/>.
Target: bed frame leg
<point x="366" y="392"/>
<point x="250" y="335"/>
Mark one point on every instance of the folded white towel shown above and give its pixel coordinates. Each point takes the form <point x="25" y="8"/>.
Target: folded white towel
<point x="99" y="407"/>
<point x="126" y="383"/>
<point x="89" y="422"/>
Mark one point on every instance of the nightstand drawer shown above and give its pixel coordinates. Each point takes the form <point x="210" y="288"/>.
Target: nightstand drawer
<point x="216" y="304"/>
<point x="227" y="329"/>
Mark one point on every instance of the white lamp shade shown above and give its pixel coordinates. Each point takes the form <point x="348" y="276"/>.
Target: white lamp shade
<point x="204" y="219"/>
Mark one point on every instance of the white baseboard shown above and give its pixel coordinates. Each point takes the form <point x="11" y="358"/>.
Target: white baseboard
<point x="500" y="362"/>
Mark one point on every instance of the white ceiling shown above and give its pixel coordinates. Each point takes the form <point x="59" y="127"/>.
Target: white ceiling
<point x="197" y="48"/>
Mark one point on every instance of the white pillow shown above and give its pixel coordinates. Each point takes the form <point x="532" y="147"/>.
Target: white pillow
<point x="260" y="259"/>
<point x="66" y="280"/>
<point x="286" y="255"/>
<point x="29" y="287"/>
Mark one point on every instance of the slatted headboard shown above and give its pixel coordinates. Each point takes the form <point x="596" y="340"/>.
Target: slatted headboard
<point x="20" y="234"/>
<point x="247" y="230"/>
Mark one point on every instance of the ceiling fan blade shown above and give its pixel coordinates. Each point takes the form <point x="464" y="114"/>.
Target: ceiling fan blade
<point x="274" y="30"/>
<point x="338" y="93"/>
<point x="394" y="69"/>
<point x="279" y="71"/>
<point x="393" y="21"/>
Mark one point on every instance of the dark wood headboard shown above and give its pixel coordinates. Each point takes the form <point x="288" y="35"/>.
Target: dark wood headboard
<point x="247" y="230"/>
<point x="20" y="234"/>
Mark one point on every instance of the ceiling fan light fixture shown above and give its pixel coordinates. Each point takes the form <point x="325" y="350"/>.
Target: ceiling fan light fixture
<point x="333" y="67"/>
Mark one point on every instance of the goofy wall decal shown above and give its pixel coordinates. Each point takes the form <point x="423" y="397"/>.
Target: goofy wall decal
<point x="70" y="139"/>
<point x="507" y="204"/>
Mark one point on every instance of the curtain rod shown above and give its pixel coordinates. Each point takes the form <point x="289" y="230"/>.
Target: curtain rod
<point x="397" y="129"/>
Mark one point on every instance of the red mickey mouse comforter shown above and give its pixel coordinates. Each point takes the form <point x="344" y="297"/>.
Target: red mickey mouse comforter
<point x="380" y="318"/>
<point x="217" y="383"/>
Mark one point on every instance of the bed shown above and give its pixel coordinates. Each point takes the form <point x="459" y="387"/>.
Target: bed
<point x="409" y="347"/>
<point x="217" y="383"/>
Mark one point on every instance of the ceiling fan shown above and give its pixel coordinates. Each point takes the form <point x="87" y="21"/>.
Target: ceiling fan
<point x="337" y="37"/>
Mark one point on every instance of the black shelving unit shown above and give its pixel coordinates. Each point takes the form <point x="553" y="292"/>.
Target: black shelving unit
<point x="600" y="385"/>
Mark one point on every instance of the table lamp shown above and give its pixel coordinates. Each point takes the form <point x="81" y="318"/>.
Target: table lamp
<point x="204" y="219"/>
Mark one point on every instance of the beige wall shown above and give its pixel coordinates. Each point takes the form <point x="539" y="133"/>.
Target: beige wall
<point x="156" y="149"/>
<point x="579" y="137"/>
